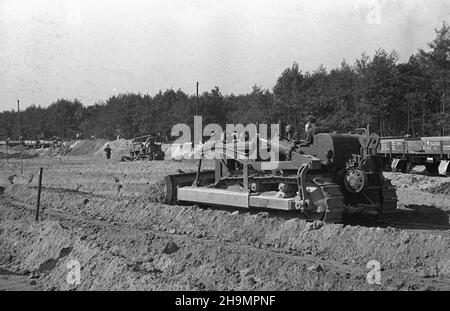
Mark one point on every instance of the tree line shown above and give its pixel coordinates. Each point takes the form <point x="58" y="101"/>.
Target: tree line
<point x="391" y="97"/>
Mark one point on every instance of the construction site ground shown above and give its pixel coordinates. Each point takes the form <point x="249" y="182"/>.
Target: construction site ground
<point x="107" y="216"/>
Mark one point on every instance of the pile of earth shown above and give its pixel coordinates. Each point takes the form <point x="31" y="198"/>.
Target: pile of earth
<point x="443" y="188"/>
<point x="432" y="184"/>
<point x="87" y="147"/>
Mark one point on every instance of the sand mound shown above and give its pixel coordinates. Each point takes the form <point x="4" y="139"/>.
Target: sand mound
<point x="178" y="151"/>
<point x="185" y="151"/>
<point x="87" y="147"/>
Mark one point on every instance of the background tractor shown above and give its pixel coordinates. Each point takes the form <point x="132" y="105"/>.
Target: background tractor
<point x="146" y="147"/>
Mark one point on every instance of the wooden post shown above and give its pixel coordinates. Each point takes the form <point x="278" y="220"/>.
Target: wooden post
<point x="20" y="139"/>
<point x="38" y="203"/>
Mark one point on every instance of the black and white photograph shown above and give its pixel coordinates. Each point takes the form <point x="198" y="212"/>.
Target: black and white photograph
<point x="224" y="152"/>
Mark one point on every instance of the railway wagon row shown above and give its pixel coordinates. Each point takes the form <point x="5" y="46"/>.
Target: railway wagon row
<point x="402" y="154"/>
<point x="29" y="143"/>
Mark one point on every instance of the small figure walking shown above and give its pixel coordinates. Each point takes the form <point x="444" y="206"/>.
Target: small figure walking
<point x="108" y="151"/>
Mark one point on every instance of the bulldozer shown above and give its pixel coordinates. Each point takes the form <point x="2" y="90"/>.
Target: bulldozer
<point x="335" y="177"/>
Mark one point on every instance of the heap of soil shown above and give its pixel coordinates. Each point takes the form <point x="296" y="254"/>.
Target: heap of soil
<point x="87" y="147"/>
<point x="443" y="188"/>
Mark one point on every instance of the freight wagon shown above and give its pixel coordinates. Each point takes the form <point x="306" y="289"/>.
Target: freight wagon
<point x="402" y="154"/>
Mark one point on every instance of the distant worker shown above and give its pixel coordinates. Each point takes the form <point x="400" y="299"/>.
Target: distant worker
<point x="311" y="131"/>
<point x="118" y="136"/>
<point x="108" y="151"/>
<point x="78" y="136"/>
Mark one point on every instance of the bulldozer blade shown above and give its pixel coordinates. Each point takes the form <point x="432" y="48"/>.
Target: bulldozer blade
<point x="172" y="182"/>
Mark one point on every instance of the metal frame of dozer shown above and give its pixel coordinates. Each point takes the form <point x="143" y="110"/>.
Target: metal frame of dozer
<point x="203" y="187"/>
<point x="198" y="187"/>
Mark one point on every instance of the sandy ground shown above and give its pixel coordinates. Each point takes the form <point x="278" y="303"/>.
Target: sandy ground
<point x="106" y="215"/>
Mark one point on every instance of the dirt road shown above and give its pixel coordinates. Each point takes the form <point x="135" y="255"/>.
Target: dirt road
<point x="104" y="216"/>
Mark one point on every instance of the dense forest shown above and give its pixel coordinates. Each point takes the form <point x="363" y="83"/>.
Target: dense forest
<point x="393" y="98"/>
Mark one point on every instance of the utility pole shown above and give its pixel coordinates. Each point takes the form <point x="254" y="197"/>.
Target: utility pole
<point x="196" y="103"/>
<point x="20" y="138"/>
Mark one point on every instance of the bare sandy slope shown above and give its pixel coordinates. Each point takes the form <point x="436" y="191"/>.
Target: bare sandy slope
<point x="105" y="214"/>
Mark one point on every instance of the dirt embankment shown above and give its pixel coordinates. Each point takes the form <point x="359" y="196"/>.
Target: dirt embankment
<point x="97" y="176"/>
<point x="87" y="147"/>
<point x="128" y="242"/>
<point x="432" y="184"/>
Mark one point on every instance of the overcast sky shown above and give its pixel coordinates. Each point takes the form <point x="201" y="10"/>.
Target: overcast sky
<point x="93" y="49"/>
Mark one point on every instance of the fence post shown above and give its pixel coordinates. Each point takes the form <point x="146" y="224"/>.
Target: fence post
<point x="38" y="203"/>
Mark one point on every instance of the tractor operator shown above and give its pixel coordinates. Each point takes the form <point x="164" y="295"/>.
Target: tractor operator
<point x="311" y="129"/>
<point x="290" y="132"/>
